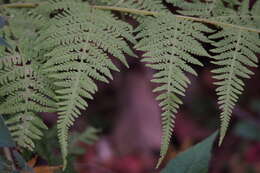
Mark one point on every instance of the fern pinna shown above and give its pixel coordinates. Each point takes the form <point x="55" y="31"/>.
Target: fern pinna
<point x="70" y="43"/>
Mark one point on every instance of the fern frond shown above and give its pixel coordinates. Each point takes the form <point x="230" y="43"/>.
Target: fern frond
<point x="83" y="40"/>
<point x="25" y="89"/>
<point x="26" y="92"/>
<point x="235" y="55"/>
<point x="170" y="45"/>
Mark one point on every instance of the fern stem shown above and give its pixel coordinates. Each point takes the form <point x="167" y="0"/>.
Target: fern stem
<point x="151" y="13"/>
<point x="20" y="5"/>
<point x="127" y="10"/>
<point x="217" y="23"/>
<point x="141" y="12"/>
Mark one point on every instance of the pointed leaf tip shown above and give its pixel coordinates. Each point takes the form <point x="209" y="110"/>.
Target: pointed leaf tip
<point x="197" y="157"/>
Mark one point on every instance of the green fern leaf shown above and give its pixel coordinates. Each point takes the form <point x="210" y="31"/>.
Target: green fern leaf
<point x="235" y="55"/>
<point x="24" y="88"/>
<point x="82" y="41"/>
<point x="170" y="45"/>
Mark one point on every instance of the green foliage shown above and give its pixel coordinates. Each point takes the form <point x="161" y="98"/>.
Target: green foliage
<point x="88" y="136"/>
<point x="60" y="50"/>
<point x="46" y="149"/>
<point x="6" y="141"/>
<point x="170" y="45"/>
<point x="82" y="39"/>
<point x="195" y="160"/>
<point x="24" y="87"/>
<point x="5" y="136"/>
<point x="234" y="50"/>
<point x="2" y="24"/>
<point x="235" y="54"/>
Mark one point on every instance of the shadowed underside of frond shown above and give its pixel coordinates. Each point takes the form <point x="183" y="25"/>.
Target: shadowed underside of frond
<point x="83" y="40"/>
<point x="170" y="46"/>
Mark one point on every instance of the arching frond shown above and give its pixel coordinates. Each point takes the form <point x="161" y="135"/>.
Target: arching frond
<point x="170" y="45"/>
<point x="83" y="40"/>
<point x="24" y="88"/>
<point x="235" y="55"/>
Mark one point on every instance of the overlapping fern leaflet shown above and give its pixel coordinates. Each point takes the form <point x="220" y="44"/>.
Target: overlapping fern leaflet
<point x="25" y="89"/>
<point x="170" y="45"/>
<point x="83" y="40"/>
<point x="235" y="55"/>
